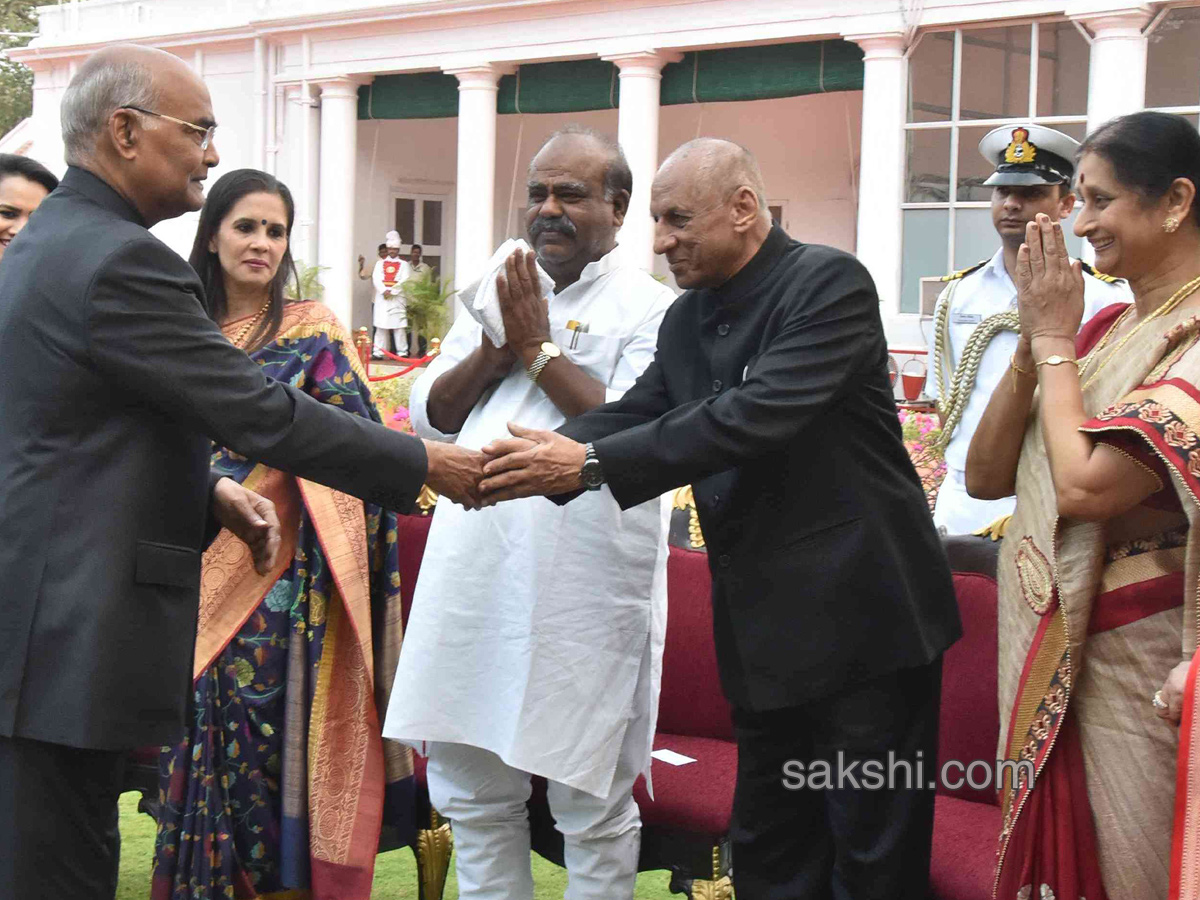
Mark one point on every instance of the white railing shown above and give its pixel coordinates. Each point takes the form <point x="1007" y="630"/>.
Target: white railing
<point x="85" y="20"/>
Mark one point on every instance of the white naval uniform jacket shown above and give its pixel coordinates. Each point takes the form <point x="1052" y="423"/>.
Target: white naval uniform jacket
<point x="388" y="275"/>
<point x="983" y="293"/>
<point x="537" y="630"/>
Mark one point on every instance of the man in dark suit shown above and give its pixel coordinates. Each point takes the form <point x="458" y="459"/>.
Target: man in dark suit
<point x="113" y="382"/>
<point x="832" y="599"/>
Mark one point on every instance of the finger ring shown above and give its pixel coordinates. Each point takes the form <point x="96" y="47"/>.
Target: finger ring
<point x="1158" y="700"/>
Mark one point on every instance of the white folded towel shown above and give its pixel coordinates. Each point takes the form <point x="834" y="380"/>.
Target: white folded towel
<point x="481" y="299"/>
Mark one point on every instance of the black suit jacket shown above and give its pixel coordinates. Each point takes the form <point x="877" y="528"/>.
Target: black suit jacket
<point x="770" y="395"/>
<point x="113" y="381"/>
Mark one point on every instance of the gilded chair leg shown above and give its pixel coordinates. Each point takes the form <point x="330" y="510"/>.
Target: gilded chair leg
<point x="434" y="846"/>
<point x="719" y="887"/>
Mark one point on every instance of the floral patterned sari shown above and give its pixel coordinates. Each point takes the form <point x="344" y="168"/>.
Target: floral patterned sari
<point x="282" y="782"/>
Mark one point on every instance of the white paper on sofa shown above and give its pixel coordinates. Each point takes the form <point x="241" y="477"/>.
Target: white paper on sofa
<point x="672" y="758"/>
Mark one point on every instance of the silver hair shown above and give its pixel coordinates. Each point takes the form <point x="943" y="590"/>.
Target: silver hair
<point x="99" y="89"/>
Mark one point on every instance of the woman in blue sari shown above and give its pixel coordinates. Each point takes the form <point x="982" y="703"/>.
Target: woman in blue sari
<point x="282" y="781"/>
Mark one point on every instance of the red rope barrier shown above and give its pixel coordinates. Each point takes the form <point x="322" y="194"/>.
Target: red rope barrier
<point x="412" y="362"/>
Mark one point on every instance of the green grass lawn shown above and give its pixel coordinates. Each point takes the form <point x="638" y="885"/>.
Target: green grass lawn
<point x="395" y="872"/>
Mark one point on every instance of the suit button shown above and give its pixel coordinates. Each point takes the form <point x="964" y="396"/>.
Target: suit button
<point x="717" y="386"/>
<point x="723" y="560"/>
<point x="716" y="499"/>
<point x="722" y="329"/>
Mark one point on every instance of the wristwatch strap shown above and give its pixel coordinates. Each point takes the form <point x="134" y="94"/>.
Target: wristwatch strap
<point x="539" y="362"/>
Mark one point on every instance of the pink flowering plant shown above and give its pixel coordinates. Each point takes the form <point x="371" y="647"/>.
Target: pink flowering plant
<point x="391" y="398"/>
<point x="921" y="431"/>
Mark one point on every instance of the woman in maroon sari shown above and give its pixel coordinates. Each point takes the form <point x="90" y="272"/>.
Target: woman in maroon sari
<point x="1098" y="625"/>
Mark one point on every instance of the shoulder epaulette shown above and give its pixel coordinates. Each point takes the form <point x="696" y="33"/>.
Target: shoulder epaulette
<point x="963" y="273"/>
<point x="1099" y="276"/>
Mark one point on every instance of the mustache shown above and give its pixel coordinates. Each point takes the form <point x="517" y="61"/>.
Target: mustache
<point x="543" y="225"/>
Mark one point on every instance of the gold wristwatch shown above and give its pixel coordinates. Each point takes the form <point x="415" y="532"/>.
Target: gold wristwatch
<point x="546" y="352"/>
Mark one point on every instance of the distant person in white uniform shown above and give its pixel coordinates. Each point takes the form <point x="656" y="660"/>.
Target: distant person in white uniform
<point x="975" y="320"/>
<point x="390" y="317"/>
<point x="535" y="640"/>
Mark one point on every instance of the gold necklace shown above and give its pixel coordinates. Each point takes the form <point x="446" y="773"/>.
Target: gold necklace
<point x="249" y="326"/>
<point x="1177" y="298"/>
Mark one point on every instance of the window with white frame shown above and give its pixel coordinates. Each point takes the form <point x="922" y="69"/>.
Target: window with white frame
<point x="962" y="84"/>
<point x="1172" y="63"/>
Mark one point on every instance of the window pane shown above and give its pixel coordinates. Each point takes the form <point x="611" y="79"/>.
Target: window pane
<point x="928" y="166"/>
<point x="925" y="235"/>
<point x="995" y="73"/>
<point x="975" y="237"/>
<point x="1172" y="63"/>
<point x="930" y="73"/>
<point x="431" y="224"/>
<point x="1063" y="57"/>
<point x="434" y="262"/>
<point x="406" y="218"/>
<point x="973" y="169"/>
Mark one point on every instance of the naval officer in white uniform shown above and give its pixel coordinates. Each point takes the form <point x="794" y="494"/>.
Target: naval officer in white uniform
<point x="975" y="320"/>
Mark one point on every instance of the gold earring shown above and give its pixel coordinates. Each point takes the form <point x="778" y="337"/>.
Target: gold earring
<point x="1170" y="225"/>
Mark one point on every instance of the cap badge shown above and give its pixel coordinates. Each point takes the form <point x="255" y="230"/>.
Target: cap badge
<point x="1020" y="150"/>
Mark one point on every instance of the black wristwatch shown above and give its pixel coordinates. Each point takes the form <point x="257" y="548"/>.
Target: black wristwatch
<point x="591" y="475"/>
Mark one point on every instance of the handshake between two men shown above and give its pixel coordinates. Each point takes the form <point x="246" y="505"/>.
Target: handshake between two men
<point x="528" y="464"/>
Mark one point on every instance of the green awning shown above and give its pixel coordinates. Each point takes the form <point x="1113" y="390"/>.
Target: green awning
<point x="763" y="73"/>
<point x="420" y="95"/>
<point x="705" y="76"/>
<point x="559" y="87"/>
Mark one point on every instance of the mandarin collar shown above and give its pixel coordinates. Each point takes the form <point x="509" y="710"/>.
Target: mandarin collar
<point x="749" y="275"/>
<point x="609" y="262"/>
<point x="100" y="192"/>
<point x="602" y="266"/>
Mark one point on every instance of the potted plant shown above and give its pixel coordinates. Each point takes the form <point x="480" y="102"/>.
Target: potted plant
<point x="309" y="286"/>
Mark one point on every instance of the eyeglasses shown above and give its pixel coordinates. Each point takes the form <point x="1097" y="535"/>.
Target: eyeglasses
<point x="206" y="132"/>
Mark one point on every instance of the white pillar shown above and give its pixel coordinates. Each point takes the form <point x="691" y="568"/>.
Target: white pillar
<point x="637" y="130"/>
<point x="881" y="166"/>
<point x="339" y="162"/>
<point x="475" y="189"/>
<point x="310" y="173"/>
<point x="1117" y="71"/>
<point x="259" y="156"/>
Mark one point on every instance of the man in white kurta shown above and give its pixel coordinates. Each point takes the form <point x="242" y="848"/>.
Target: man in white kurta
<point x="389" y="316"/>
<point x="1034" y="165"/>
<point x="535" y="640"/>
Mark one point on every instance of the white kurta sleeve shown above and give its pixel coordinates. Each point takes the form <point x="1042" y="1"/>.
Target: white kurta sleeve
<point x="638" y="352"/>
<point x="464" y="336"/>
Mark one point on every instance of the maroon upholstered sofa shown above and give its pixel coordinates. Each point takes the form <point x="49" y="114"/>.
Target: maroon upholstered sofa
<point x="967" y="820"/>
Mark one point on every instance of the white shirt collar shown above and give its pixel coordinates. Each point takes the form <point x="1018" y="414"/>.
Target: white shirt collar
<point x="995" y="267"/>
<point x="609" y="262"/>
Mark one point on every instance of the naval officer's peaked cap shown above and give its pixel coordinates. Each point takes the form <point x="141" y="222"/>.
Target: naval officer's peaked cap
<point x="1029" y="155"/>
